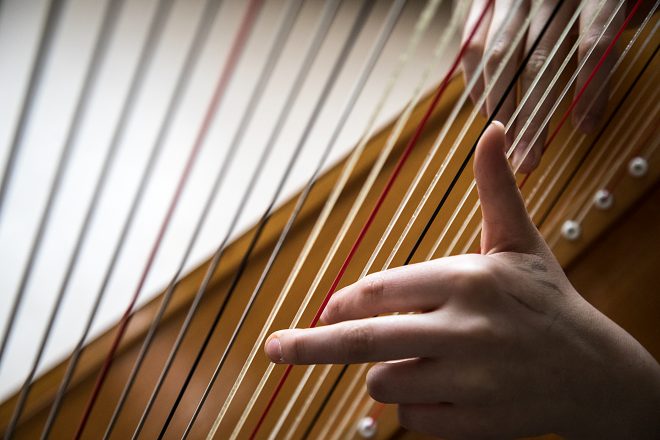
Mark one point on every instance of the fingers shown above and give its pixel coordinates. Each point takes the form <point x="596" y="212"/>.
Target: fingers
<point x="366" y="340"/>
<point x="590" y="109"/>
<point x="425" y="381"/>
<point x="448" y="421"/>
<point x="524" y="156"/>
<point x="506" y="224"/>
<point x="499" y="46"/>
<point x="414" y="288"/>
<point x="475" y="49"/>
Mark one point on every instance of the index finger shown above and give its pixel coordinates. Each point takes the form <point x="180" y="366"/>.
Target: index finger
<point x="382" y="338"/>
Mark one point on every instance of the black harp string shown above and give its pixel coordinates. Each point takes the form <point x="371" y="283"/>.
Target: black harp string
<point x="336" y="69"/>
<point x="53" y="19"/>
<point x="328" y="16"/>
<point x="111" y="14"/>
<point x="595" y="141"/>
<point x="491" y="118"/>
<point x="208" y="17"/>
<point x="274" y="53"/>
<point x="107" y="162"/>
<point x="373" y="57"/>
<point x="54" y="16"/>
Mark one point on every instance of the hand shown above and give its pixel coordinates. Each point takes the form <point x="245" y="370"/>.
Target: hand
<point x="501" y="344"/>
<point x="590" y="109"/>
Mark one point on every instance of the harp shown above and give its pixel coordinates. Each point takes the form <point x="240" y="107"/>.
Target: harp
<point x="194" y="150"/>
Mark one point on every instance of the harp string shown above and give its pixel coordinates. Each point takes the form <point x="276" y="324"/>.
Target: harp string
<point x="53" y="19"/>
<point x="569" y="155"/>
<point x="63" y="159"/>
<point x="639" y="152"/>
<point x="110" y="14"/>
<point x="512" y="83"/>
<point x="591" y="166"/>
<point x="400" y="163"/>
<point x="452" y="151"/>
<point x="377" y="406"/>
<point x="345" y="173"/>
<point x="609" y="170"/>
<point x="588" y="151"/>
<point x="610" y="163"/>
<point x="573" y="173"/>
<point x="251" y="13"/>
<point x="337" y="189"/>
<point x="274" y="54"/>
<point x="583" y="204"/>
<point x="534" y="112"/>
<point x="349" y="43"/>
<point x="359" y="200"/>
<point x="551" y="136"/>
<point x="203" y="29"/>
<point x="550" y="167"/>
<point x="338" y="66"/>
<point x="395" y="11"/>
<point x="99" y="188"/>
<point x="544" y="123"/>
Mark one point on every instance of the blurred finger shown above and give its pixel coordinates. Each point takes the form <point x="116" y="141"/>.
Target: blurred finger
<point x="531" y="72"/>
<point x="590" y="109"/>
<point x="475" y="49"/>
<point x="498" y="43"/>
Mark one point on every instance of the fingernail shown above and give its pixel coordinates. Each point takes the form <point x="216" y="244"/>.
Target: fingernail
<point x="274" y="349"/>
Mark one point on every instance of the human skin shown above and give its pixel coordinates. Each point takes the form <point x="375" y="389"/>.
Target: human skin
<point x="500" y="344"/>
<point x="590" y="109"/>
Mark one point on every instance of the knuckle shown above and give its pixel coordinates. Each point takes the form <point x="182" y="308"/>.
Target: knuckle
<point x="535" y="63"/>
<point x="475" y="277"/>
<point x="474" y="49"/>
<point x="372" y="288"/>
<point x="596" y="41"/>
<point x="359" y="341"/>
<point x="333" y="310"/>
<point x="497" y="54"/>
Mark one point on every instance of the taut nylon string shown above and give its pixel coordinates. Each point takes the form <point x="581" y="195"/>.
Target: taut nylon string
<point x="63" y="160"/>
<point x="574" y="102"/>
<point x="53" y="17"/>
<point x="223" y="81"/>
<point x="192" y="55"/>
<point x="429" y="156"/>
<point x="329" y="204"/>
<point x="501" y="101"/>
<point x="91" y="75"/>
<point x="273" y="55"/>
<point x="402" y="160"/>
<point x="537" y="134"/>
<point x="388" y="27"/>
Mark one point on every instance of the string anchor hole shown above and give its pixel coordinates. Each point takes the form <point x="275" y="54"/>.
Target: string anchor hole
<point x="638" y="166"/>
<point x="571" y="230"/>
<point x="603" y="199"/>
<point x="367" y="427"/>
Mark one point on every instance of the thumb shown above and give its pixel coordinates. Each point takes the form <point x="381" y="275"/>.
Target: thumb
<point x="506" y="224"/>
